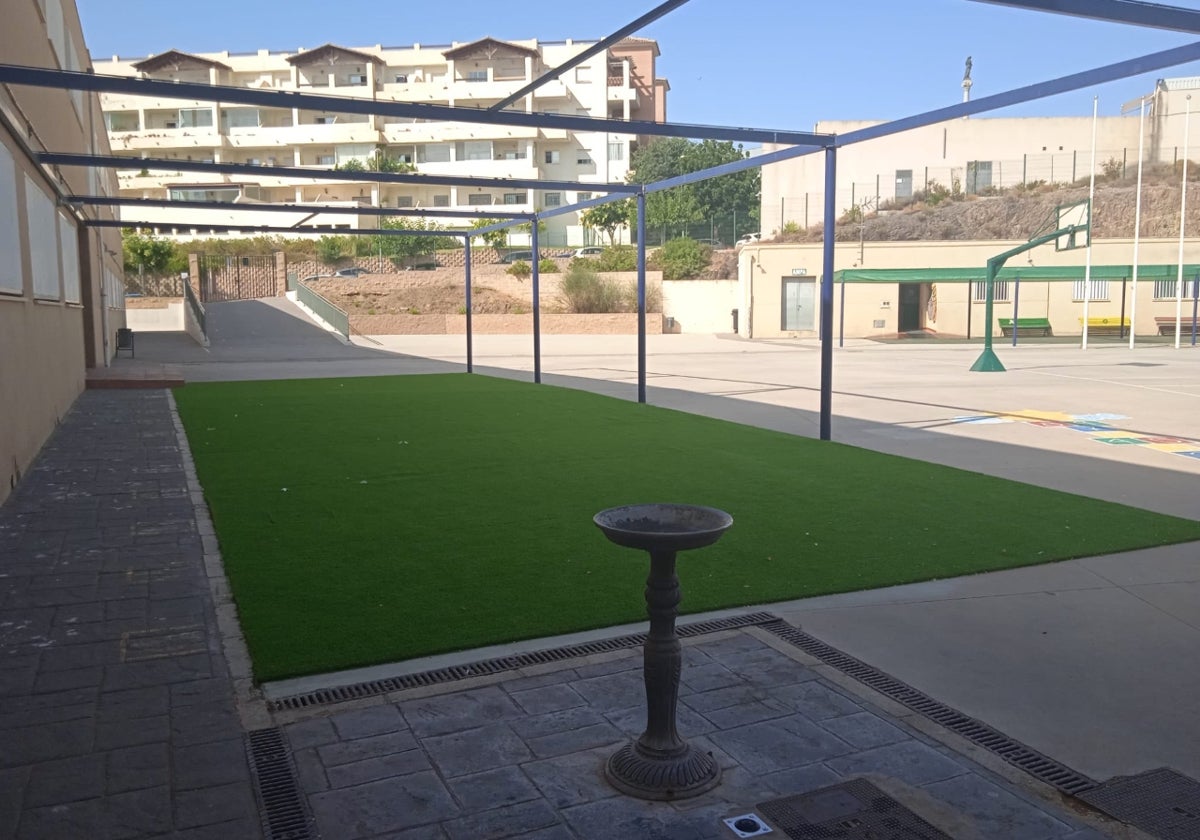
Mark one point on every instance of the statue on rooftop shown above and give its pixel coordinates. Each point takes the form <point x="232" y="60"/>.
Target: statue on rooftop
<point x="967" y="74"/>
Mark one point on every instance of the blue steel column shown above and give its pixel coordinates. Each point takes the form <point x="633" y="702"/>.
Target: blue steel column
<point x="537" y="308"/>
<point x="641" y="281"/>
<point x="467" y="255"/>
<point x="827" y="293"/>
<point x="1016" y="301"/>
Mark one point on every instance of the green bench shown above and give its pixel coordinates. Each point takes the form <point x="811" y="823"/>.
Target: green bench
<point x="1026" y="326"/>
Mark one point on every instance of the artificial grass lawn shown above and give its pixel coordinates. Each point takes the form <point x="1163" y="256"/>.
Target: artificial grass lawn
<point x="368" y="520"/>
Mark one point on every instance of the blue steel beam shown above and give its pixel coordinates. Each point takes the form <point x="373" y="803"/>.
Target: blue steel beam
<point x="1065" y="84"/>
<point x="111" y="201"/>
<point x="211" y="228"/>
<point x="1087" y="78"/>
<point x="72" y="80"/>
<point x="1135" y="12"/>
<point x="169" y="165"/>
<point x="601" y="46"/>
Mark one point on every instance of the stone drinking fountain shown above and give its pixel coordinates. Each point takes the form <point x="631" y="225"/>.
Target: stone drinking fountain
<point x="660" y="764"/>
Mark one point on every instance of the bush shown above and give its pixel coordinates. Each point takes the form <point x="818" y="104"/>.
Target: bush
<point x="680" y="259"/>
<point x="520" y="269"/>
<point x="585" y="291"/>
<point x="330" y="249"/>
<point x="629" y="298"/>
<point x="547" y="266"/>
<point x="617" y="258"/>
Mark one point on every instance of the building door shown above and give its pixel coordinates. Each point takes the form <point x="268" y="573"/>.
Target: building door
<point x="903" y="184"/>
<point x="799" y="304"/>
<point x="910" y="307"/>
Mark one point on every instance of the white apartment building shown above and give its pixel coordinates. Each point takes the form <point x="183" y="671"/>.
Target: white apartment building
<point x="618" y="84"/>
<point x="978" y="154"/>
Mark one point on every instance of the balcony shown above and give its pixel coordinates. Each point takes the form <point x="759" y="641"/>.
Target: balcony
<point x="329" y="134"/>
<point x="261" y="136"/>
<point x="441" y="132"/>
<point x="166" y="138"/>
<point x="481" y="168"/>
<point x="553" y="89"/>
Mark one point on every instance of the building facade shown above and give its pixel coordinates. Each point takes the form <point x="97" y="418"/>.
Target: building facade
<point x="61" y="291"/>
<point x="977" y="156"/>
<point x="619" y="84"/>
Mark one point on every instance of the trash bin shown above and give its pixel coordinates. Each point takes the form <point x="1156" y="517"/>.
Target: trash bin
<point x="734" y="313"/>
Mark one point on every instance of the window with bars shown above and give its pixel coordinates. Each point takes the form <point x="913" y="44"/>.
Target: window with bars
<point x="1167" y="289"/>
<point x="552" y="199"/>
<point x="1099" y="290"/>
<point x="979" y="291"/>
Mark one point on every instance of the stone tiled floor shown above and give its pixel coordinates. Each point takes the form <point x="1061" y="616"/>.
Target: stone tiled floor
<point x="524" y="756"/>
<point x="117" y="714"/>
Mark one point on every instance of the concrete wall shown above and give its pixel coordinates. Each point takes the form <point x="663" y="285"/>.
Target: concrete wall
<point x="873" y="309"/>
<point x="700" y="306"/>
<point x="52" y="327"/>
<point x="620" y="323"/>
<point x="166" y="318"/>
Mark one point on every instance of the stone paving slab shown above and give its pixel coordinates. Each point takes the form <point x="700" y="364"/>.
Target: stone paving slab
<point x="117" y="711"/>
<point x="524" y="756"/>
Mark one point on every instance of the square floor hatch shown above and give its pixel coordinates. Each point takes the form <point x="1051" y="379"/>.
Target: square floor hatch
<point x="1161" y="802"/>
<point x="853" y="810"/>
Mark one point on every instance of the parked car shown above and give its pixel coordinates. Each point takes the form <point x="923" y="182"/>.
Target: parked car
<point x="515" y="256"/>
<point x="354" y="271"/>
<point x="588" y="251"/>
<point x="748" y="239"/>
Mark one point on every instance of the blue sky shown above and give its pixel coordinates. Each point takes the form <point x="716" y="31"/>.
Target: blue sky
<point x="771" y="63"/>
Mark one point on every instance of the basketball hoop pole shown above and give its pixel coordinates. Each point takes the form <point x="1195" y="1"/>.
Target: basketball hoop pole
<point x="988" y="361"/>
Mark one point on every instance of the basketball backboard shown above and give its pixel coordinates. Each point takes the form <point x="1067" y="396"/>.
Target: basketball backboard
<point x="1078" y="214"/>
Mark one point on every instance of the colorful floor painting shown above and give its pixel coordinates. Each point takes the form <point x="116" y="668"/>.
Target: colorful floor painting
<point x="1096" y="426"/>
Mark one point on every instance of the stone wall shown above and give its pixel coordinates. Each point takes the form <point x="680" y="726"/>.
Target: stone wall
<point x="621" y="323"/>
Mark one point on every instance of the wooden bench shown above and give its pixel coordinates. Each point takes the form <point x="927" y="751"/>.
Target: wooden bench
<point x="1166" y="324"/>
<point x="1106" y="325"/>
<point x="1026" y="326"/>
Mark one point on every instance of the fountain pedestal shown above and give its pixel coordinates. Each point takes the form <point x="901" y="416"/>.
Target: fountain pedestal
<point x="659" y="764"/>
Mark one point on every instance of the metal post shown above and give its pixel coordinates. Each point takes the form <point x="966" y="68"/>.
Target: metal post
<point x="827" y="292"/>
<point x="1074" y="164"/>
<point x="1087" y="263"/>
<point x="1187" y="124"/>
<point x="1024" y="167"/>
<point x="467" y="253"/>
<point x="1195" y="304"/>
<point x="1016" y="300"/>
<point x="1137" y="226"/>
<point x="988" y="361"/>
<point x="781" y="222"/>
<point x="641" y="292"/>
<point x="1124" y="281"/>
<point x="842" y="316"/>
<point x="537" y="307"/>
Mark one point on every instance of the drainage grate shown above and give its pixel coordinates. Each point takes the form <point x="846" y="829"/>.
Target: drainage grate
<point x="1162" y="802"/>
<point x="1014" y="752"/>
<point x="280" y="804"/>
<point x="372" y="688"/>
<point x="853" y="810"/>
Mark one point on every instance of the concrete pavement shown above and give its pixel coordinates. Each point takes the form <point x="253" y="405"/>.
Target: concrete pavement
<point x="1090" y="661"/>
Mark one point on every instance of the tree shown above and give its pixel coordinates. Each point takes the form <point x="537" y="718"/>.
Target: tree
<point x="606" y="218"/>
<point x="405" y="246"/>
<point x="147" y="253"/>
<point x="673" y="156"/>
<point x="497" y="239"/>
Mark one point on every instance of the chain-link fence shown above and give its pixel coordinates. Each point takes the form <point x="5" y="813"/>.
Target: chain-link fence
<point x="720" y="231"/>
<point x="897" y="188"/>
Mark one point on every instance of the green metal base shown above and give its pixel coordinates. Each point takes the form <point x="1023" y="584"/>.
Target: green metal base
<point x="987" y="361"/>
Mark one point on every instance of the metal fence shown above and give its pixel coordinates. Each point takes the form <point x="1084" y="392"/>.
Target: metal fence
<point x="898" y="187"/>
<point x="723" y="230"/>
<point x="326" y="311"/>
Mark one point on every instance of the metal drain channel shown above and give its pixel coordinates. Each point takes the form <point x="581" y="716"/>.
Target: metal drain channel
<point x="372" y="688"/>
<point x="1015" y="753"/>
<point x="281" y="806"/>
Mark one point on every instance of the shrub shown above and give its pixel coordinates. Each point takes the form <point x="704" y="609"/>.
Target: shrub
<point x="1113" y="169"/>
<point x="519" y="269"/>
<point x="330" y="249"/>
<point x="585" y="291"/>
<point x="629" y="298"/>
<point x="617" y="258"/>
<point x="680" y="259"/>
<point x="547" y="266"/>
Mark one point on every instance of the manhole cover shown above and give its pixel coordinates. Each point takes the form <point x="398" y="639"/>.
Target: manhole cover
<point x="853" y="810"/>
<point x="1162" y="802"/>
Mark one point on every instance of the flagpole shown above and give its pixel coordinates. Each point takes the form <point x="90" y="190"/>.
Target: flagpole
<point x="1187" y="123"/>
<point x="1137" y="225"/>
<point x="1087" y="270"/>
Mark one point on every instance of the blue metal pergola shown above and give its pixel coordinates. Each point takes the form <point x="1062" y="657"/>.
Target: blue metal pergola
<point x="1131" y="12"/>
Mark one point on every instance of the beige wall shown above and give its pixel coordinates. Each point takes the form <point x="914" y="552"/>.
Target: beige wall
<point x="872" y="309"/>
<point x="700" y="306"/>
<point x="51" y="330"/>
<point x="1019" y="150"/>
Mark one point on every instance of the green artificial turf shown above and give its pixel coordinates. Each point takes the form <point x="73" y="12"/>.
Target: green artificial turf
<point x="369" y="520"/>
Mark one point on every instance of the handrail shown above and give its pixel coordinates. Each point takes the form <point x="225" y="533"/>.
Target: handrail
<point x="336" y="318"/>
<point x="195" y="306"/>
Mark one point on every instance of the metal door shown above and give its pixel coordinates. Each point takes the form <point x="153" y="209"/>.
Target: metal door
<point x="799" y="304"/>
